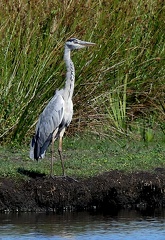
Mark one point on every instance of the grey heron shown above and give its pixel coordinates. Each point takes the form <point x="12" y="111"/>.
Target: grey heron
<point x="58" y="113"/>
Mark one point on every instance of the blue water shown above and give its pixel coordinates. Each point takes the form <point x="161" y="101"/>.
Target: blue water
<point x="126" y="225"/>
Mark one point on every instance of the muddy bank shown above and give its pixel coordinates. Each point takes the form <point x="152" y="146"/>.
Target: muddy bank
<point x="106" y="192"/>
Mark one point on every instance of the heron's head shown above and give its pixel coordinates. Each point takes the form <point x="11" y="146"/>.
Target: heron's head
<point x="74" y="43"/>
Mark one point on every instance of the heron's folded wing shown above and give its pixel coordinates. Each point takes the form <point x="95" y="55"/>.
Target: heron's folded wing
<point x="50" y="118"/>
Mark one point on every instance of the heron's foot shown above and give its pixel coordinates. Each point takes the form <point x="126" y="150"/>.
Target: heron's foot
<point x="70" y="178"/>
<point x="65" y="177"/>
<point x="51" y="176"/>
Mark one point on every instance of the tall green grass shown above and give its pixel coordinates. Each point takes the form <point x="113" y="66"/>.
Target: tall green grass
<point x="130" y="45"/>
<point x="117" y="108"/>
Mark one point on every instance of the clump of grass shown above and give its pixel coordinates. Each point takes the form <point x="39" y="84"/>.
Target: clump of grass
<point x="130" y="42"/>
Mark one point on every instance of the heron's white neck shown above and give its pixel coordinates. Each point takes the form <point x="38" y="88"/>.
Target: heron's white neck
<point x="70" y="75"/>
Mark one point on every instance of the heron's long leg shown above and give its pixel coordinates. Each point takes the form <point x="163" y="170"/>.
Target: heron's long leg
<point x="52" y="152"/>
<point x="60" y="150"/>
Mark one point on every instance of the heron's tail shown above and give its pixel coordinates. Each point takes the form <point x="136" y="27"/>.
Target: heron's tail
<point x="31" y="154"/>
<point x="36" y="149"/>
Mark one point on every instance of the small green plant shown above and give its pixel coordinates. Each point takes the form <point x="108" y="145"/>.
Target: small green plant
<point x="144" y="129"/>
<point x="148" y="132"/>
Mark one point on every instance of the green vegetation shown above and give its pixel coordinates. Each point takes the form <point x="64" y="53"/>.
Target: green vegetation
<point x="87" y="156"/>
<point x="118" y="81"/>
<point x="119" y="91"/>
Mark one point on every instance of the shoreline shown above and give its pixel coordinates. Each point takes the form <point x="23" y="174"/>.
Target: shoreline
<point x="107" y="192"/>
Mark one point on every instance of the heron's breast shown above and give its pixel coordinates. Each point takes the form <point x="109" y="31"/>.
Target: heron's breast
<point x="68" y="111"/>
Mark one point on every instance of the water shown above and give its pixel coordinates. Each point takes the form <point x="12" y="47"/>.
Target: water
<point x="126" y="225"/>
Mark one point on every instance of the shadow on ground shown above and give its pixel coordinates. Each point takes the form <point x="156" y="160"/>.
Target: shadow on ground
<point x="30" y="173"/>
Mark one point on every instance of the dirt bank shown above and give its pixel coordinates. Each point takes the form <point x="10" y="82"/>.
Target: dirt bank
<point x="106" y="192"/>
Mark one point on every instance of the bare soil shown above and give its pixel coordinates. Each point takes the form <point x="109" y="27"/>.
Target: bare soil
<point x="107" y="192"/>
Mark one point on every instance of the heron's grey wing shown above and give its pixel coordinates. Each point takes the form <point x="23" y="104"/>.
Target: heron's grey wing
<point x="48" y="122"/>
<point x="51" y="117"/>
